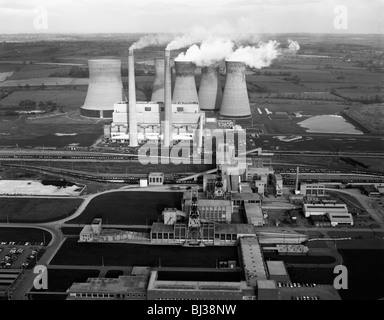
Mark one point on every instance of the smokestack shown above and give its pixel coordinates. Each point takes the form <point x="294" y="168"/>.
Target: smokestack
<point x="158" y="86"/>
<point x="235" y="100"/>
<point x="185" y="85"/>
<point x="210" y="91"/>
<point x="297" y="180"/>
<point x="104" y="90"/>
<point x="167" y="125"/>
<point x="132" y="101"/>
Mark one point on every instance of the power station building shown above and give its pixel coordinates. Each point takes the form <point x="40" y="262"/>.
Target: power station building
<point x="165" y="117"/>
<point x="178" y="115"/>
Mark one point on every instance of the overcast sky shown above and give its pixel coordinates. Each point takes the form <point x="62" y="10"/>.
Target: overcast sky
<point x="144" y="16"/>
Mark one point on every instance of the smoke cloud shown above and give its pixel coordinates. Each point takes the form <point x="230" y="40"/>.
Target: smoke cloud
<point x="293" y="46"/>
<point x="155" y="40"/>
<point x="208" y="53"/>
<point x="257" y="57"/>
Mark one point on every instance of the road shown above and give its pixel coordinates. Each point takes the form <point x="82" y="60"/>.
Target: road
<point x="365" y="202"/>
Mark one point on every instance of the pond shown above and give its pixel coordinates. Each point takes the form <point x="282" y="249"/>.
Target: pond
<point x="329" y="124"/>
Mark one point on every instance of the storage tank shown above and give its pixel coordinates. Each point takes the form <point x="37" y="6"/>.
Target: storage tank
<point x="210" y="91"/>
<point x="235" y="99"/>
<point x="104" y="90"/>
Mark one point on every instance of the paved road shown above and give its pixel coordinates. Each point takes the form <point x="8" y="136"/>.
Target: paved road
<point x="365" y="202"/>
<point x="57" y="238"/>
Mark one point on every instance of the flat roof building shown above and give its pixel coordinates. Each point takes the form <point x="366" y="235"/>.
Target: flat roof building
<point x="277" y="271"/>
<point x="197" y="290"/>
<point x="132" y="287"/>
<point x="254" y="214"/>
<point x="253" y="261"/>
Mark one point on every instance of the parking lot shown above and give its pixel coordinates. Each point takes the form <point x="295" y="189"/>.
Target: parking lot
<point x="19" y="255"/>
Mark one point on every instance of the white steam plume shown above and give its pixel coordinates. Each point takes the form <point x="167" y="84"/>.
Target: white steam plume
<point x="293" y="46"/>
<point x="155" y="40"/>
<point x="238" y="33"/>
<point x="208" y="53"/>
<point x="257" y="57"/>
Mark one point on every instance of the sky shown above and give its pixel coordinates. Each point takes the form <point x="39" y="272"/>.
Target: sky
<point x="164" y="16"/>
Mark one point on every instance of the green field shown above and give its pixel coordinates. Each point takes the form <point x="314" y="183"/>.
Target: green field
<point x="135" y="208"/>
<point x="65" y="98"/>
<point x="93" y="254"/>
<point x="24" y="235"/>
<point x="36" y="210"/>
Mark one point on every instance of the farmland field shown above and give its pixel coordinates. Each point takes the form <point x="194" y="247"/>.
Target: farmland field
<point x="129" y="207"/>
<point x="39" y="210"/>
<point x="92" y="254"/>
<point x="24" y="235"/>
<point x="67" y="99"/>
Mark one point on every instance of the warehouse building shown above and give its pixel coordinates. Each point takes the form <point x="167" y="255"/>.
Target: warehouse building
<point x="336" y="213"/>
<point x="254" y="214"/>
<point x="197" y="290"/>
<point x="132" y="287"/>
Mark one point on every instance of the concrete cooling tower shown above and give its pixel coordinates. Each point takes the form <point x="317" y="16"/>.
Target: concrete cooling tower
<point x="210" y="91"/>
<point x="104" y="90"/>
<point x="235" y="99"/>
<point x="158" y="86"/>
<point x="185" y="84"/>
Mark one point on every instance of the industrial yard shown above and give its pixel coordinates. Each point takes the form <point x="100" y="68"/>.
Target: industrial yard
<point x="232" y="160"/>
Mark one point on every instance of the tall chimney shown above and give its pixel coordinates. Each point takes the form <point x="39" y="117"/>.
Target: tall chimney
<point x="297" y="179"/>
<point x="235" y="100"/>
<point x="167" y="125"/>
<point x="132" y="101"/>
<point x="210" y="91"/>
<point x="158" y="85"/>
<point x="185" y="85"/>
<point x="104" y="90"/>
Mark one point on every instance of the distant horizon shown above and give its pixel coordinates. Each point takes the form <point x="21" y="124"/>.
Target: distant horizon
<point x="144" y="33"/>
<point x="184" y="16"/>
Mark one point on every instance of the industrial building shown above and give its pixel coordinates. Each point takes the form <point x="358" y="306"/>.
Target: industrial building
<point x="277" y="271"/>
<point x="132" y="287"/>
<point x="178" y="115"/>
<point x="105" y="88"/>
<point x="96" y="233"/>
<point x="166" y="117"/>
<point x="252" y="261"/>
<point x="312" y="190"/>
<point x="336" y="213"/>
<point x="196" y="290"/>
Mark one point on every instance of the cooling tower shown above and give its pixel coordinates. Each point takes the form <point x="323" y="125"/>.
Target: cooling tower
<point x="185" y="84"/>
<point x="167" y="124"/>
<point x="132" y="101"/>
<point x="158" y="86"/>
<point x="235" y="99"/>
<point x="104" y="90"/>
<point x="210" y="92"/>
